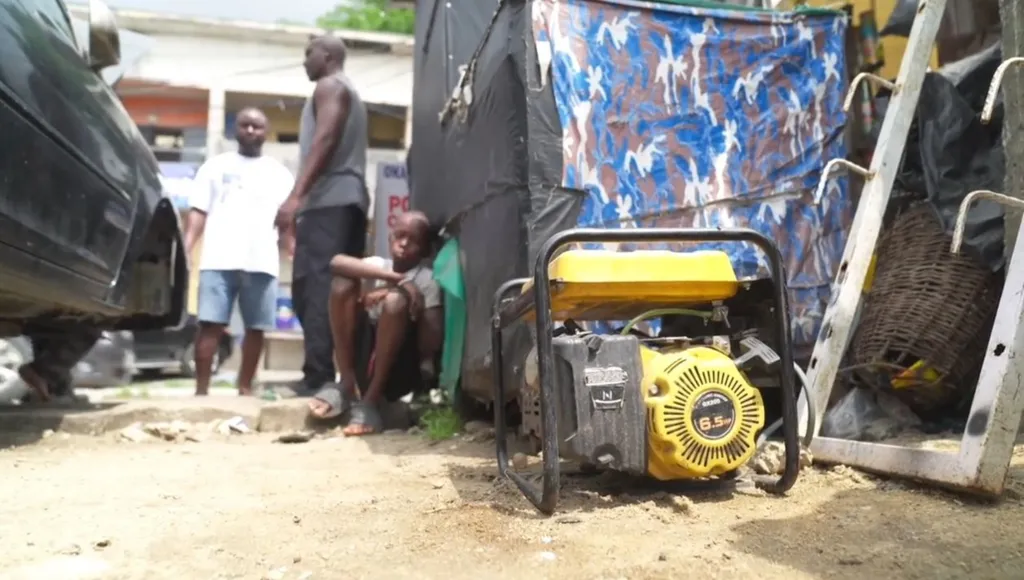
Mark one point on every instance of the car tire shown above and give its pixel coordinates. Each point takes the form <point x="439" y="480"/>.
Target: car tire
<point x="188" y="361"/>
<point x="149" y="374"/>
<point x="14" y="352"/>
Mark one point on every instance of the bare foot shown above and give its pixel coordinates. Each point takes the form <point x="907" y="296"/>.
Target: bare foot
<point x="202" y="392"/>
<point x="357" y="430"/>
<point x="365" y="420"/>
<point x="34" y="382"/>
<point x="244" y="391"/>
<point x="318" y="408"/>
<point x="331" y="401"/>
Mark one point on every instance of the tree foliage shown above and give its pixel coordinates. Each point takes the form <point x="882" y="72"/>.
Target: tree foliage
<point x="369" y="15"/>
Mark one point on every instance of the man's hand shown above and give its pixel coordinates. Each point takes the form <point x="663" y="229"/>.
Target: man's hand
<point x="415" y="299"/>
<point x="288" y="243"/>
<point x="285" y="220"/>
<point x="374" y="297"/>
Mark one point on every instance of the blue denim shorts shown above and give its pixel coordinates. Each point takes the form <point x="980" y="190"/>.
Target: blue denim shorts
<point x="256" y="293"/>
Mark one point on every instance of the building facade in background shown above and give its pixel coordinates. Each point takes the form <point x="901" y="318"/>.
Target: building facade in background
<point x="196" y="74"/>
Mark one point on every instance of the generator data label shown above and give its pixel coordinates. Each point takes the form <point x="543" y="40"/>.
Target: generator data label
<point x="607" y="387"/>
<point x="713" y="415"/>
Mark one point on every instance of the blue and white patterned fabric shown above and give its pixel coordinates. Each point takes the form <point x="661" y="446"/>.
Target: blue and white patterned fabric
<point x="696" y="115"/>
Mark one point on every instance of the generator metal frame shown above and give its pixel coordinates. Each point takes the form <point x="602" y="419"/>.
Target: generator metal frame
<point x="538" y="299"/>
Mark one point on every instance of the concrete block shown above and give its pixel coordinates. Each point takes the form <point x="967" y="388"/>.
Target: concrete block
<point x="106" y="417"/>
<point x="95" y="419"/>
<point x="285" y="415"/>
<point x="293" y="415"/>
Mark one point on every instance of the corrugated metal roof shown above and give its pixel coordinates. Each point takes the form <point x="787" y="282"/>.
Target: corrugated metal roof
<point x="380" y="64"/>
<point x="280" y="33"/>
<point x="384" y="79"/>
<point x="304" y="12"/>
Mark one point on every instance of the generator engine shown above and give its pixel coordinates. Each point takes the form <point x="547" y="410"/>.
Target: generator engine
<point x="668" y="407"/>
<point x="673" y="413"/>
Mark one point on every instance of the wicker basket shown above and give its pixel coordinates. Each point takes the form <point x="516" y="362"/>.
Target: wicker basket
<point x="925" y="305"/>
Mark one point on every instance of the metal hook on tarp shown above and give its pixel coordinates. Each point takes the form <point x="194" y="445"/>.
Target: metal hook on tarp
<point x="965" y="206"/>
<point x="462" y="96"/>
<point x="993" y="88"/>
<point x="830" y="167"/>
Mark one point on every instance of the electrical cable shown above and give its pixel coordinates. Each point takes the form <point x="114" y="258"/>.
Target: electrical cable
<point x="809" y="435"/>
<point x="663" y="312"/>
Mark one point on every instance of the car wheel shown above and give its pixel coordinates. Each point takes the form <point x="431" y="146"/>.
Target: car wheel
<point x="14" y="352"/>
<point x="188" y="361"/>
<point x="150" y="374"/>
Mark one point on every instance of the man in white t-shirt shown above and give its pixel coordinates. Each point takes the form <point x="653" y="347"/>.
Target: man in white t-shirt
<point x="233" y="205"/>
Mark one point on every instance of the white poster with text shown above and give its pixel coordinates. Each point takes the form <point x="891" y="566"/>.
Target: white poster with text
<point x="391" y="199"/>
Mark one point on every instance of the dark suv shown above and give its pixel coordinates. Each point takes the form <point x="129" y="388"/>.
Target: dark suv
<point x="85" y="231"/>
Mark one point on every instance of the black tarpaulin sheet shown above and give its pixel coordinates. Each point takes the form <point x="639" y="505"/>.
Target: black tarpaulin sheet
<point x="951" y="152"/>
<point x="469" y="169"/>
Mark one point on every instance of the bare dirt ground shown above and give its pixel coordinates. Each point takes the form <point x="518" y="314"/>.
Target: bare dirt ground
<point x="395" y="506"/>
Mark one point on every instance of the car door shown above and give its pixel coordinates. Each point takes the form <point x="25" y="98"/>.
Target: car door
<point x="67" y="161"/>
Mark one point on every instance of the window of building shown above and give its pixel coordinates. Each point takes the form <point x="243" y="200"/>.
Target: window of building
<point x="167" y="143"/>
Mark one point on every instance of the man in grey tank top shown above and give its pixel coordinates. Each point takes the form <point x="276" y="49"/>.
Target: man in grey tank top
<point x="326" y="211"/>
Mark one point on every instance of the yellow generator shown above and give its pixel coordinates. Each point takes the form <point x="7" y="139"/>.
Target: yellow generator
<point x="678" y="407"/>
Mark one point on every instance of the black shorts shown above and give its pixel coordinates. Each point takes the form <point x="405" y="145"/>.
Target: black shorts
<point x="322" y="233"/>
<point x="405" y="375"/>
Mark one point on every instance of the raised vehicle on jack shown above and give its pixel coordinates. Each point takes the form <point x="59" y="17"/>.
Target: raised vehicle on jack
<point x="85" y="231"/>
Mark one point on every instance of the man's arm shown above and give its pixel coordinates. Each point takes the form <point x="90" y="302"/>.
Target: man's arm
<point x="194" y="228"/>
<point x="286" y="238"/>
<point x="357" y="268"/>
<point x="200" y="201"/>
<point x="331" y="101"/>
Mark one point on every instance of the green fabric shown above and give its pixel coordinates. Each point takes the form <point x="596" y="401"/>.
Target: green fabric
<point x="448" y="274"/>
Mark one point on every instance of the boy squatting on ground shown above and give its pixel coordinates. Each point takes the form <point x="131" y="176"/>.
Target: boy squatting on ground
<point x="387" y="325"/>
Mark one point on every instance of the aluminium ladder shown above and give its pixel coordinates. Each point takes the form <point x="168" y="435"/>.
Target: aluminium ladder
<point x="982" y="462"/>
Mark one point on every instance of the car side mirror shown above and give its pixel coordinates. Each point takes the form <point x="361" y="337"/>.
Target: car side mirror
<point x="104" y="38"/>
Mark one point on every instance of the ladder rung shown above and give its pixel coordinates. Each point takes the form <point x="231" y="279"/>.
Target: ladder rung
<point x="829" y="169"/>
<point x="965" y="206"/>
<point x="993" y="88"/>
<point x="866" y="76"/>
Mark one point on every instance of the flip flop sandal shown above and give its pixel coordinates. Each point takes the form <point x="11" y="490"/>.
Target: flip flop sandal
<point x="365" y="415"/>
<point x="335" y="396"/>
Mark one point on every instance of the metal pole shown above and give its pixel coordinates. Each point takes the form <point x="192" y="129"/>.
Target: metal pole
<point x="1011" y="13"/>
<point x="215" y="121"/>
